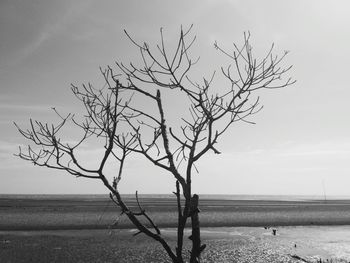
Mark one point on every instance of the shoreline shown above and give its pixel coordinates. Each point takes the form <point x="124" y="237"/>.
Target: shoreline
<point x="10" y="228"/>
<point x="255" y="197"/>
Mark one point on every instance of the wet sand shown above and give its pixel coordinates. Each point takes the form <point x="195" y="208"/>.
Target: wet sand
<point x="120" y="246"/>
<point x="238" y="244"/>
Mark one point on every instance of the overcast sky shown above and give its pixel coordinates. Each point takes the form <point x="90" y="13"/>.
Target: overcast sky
<point x="302" y="137"/>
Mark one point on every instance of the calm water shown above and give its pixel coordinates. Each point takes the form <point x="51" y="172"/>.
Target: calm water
<point x="317" y="241"/>
<point x="309" y="242"/>
<point x="202" y="196"/>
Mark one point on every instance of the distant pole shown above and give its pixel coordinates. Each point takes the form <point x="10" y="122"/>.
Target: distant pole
<point x="324" y="191"/>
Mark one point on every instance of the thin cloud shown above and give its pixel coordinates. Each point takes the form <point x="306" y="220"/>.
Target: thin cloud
<point x="26" y="108"/>
<point x="50" y="30"/>
<point x="7" y="151"/>
<point x="323" y="148"/>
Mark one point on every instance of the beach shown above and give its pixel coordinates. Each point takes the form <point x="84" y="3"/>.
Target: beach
<point x="238" y="244"/>
<point x="89" y="229"/>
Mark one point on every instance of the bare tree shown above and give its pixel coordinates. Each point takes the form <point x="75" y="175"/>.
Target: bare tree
<point x="115" y="115"/>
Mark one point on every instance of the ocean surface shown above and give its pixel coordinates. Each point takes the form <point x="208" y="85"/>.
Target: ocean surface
<point x="40" y="212"/>
<point x="202" y="196"/>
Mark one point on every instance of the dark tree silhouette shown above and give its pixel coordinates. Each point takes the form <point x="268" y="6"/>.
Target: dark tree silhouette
<point x="126" y="126"/>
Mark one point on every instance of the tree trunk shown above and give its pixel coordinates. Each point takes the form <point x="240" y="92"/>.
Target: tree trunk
<point x="197" y="248"/>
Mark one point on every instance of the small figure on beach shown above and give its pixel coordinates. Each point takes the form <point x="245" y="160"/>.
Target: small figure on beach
<point x="274" y="231"/>
<point x="295" y="245"/>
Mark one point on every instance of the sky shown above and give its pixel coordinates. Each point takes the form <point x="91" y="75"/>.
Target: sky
<point x="300" y="144"/>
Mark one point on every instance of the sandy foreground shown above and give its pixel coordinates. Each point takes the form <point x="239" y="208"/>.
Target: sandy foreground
<point x="237" y="244"/>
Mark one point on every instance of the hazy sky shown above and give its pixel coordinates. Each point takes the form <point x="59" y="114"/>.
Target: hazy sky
<point x="302" y="137"/>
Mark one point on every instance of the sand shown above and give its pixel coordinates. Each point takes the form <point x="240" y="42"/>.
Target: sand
<point x="238" y="244"/>
<point x="120" y="246"/>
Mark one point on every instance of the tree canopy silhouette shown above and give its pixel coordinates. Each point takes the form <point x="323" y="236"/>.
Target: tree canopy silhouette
<point x="129" y="115"/>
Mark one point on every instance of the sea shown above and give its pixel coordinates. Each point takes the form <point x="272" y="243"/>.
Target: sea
<point x="202" y="196"/>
